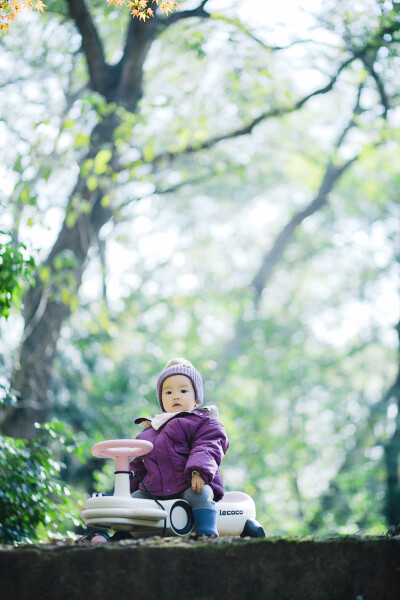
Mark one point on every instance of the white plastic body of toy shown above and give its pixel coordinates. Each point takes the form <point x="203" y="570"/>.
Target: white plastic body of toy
<point x="236" y="511"/>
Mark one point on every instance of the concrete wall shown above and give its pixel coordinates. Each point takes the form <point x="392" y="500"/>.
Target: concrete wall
<point x="349" y="568"/>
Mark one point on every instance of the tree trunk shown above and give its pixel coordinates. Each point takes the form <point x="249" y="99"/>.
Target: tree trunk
<point x="45" y="308"/>
<point x="47" y="304"/>
<point x="392" y="456"/>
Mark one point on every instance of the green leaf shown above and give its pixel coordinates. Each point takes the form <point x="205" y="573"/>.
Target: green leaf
<point x="68" y="124"/>
<point x="81" y="140"/>
<point x="101" y="161"/>
<point x="71" y="219"/>
<point x="44" y="273"/>
<point x="148" y="153"/>
<point x="92" y="183"/>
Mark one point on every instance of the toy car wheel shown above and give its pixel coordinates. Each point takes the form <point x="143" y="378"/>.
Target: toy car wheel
<point x="253" y="529"/>
<point x="181" y="518"/>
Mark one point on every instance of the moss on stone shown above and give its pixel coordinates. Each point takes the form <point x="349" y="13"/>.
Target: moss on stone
<point x="347" y="567"/>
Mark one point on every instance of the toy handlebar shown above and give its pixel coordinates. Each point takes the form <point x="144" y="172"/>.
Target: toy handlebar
<point x="122" y="451"/>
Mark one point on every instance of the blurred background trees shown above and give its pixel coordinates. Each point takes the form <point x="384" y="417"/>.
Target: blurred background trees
<point x="219" y="183"/>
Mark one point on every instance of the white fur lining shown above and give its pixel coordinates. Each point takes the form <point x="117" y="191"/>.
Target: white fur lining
<point x="158" y="420"/>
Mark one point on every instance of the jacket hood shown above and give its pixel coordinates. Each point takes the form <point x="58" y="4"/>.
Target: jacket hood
<point x="209" y="411"/>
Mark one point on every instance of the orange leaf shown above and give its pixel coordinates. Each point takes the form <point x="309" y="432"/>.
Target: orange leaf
<point x="39" y="6"/>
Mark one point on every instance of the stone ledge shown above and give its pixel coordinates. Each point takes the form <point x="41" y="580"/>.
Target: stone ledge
<point x="343" y="568"/>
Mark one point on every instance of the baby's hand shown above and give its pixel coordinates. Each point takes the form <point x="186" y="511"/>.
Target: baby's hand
<point x="198" y="482"/>
<point x="146" y="423"/>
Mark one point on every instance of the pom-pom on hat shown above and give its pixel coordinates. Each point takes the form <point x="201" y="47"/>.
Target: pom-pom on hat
<point x="181" y="366"/>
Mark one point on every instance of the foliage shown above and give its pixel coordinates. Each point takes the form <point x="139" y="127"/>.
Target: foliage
<point x="16" y="273"/>
<point x="234" y="137"/>
<point x="35" y="502"/>
<point x="141" y="8"/>
<point x="9" y="9"/>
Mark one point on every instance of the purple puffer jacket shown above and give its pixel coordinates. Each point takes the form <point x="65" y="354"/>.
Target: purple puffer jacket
<point x="191" y="441"/>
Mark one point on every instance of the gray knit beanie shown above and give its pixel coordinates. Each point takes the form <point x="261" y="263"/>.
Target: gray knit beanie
<point x="181" y="366"/>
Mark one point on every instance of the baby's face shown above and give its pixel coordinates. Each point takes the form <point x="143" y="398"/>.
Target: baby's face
<point x="178" y="394"/>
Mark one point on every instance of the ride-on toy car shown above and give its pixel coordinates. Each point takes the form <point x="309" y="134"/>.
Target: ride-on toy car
<point x="235" y="511"/>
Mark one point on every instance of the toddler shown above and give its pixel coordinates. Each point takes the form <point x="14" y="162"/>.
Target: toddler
<point x="189" y="444"/>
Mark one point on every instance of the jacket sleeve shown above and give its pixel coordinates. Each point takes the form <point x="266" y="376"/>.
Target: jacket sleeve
<point x="209" y="444"/>
<point x="137" y="466"/>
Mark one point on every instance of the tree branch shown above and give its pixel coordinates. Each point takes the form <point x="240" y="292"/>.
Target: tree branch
<point x="161" y="191"/>
<point x="247" y="129"/>
<point x="332" y="174"/>
<point x="129" y="71"/>
<point x="379" y="84"/>
<point x="91" y="43"/>
<point x="199" y="11"/>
